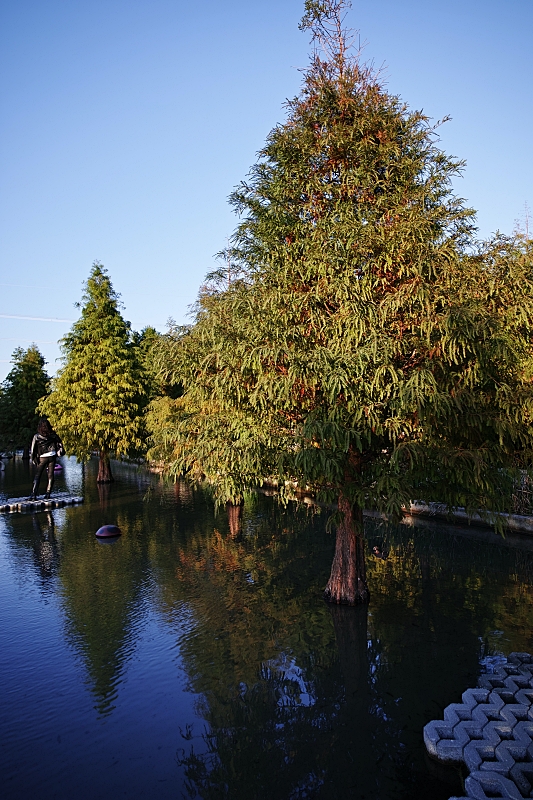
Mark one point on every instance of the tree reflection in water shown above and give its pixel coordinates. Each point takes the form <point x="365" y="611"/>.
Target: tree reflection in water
<point x="293" y="698"/>
<point x="296" y="695"/>
<point x="296" y="698"/>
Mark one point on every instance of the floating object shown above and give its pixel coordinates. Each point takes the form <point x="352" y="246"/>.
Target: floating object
<point x="25" y="504"/>
<point x="491" y="732"/>
<point x="108" y="532"/>
<point x="58" y="468"/>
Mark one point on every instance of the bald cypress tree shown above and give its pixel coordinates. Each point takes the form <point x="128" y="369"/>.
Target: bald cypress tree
<point x="97" y="396"/>
<point x="26" y="383"/>
<point x="368" y="348"/>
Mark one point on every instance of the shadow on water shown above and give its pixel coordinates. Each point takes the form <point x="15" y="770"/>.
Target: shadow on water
<point x="292" y="698"/>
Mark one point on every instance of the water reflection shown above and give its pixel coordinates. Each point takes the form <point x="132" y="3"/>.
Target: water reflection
<point x="297" y="695"/>
<point x="45" y="544"/>
<point x="316" y="707"/>
<point x="280" y="696"/>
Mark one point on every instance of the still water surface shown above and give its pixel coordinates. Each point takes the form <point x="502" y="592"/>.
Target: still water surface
<point x="190" y="660"/>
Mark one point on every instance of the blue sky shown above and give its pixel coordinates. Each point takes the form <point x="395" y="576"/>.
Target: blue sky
<point x="125" y="124"/>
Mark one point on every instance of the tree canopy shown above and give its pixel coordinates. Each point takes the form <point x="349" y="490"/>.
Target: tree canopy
<point x="98" y="395"/>
<point x="369" y="346"/>
<point x="25" y="385"/>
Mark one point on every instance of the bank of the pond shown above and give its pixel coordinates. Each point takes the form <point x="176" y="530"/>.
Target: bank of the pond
<point x="518" y="523"/>
<point x="513" y="523"/>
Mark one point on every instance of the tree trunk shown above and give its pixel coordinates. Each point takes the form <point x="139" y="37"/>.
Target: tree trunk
<point x="26" y="453"/>
<point x="347" y="583"/>
<point x="235" y="518"/>
<point x="104" y="468"/>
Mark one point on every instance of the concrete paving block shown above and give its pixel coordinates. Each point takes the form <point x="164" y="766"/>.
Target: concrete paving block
<point x="435" y="731"/>
<point x="493" y="680"/>
<point x="491" y="732"/>
<point x="522" y="775"/>
<point x="450" y="750"/>
<point x="520" y="658"/>
<point x="456" y="712"/>
<point x="485" y="785"/>
<point x="476" y="753"/>
<point x="514" y="683"/>
<point x="515" y="712"/>
<point x="525" y="697"/>
<point x="489" y="710"/>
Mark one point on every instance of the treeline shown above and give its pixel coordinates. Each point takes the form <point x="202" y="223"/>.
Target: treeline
<point x="359" y="339"/>
<point x="100" y="398"/>
<point x="25" y="385"/>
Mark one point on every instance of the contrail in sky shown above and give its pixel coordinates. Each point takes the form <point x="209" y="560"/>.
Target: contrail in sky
<point x="37" y="319"/>
<point x="55" y="319"/>
<point x="17" y="339"/>
<point x="23" y="286"/>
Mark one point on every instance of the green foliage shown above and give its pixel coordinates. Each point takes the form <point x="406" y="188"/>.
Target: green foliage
<point x="20" y="393"/>
<point x="99" y="393"/>
<point x="369" y="345"/>
<point x="145" y="343"/>
<point x="154" y="354"/>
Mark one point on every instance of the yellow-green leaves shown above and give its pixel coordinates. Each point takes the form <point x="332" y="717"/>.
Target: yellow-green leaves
<point x="365" y="326"/>
<point x="97" y="396"/>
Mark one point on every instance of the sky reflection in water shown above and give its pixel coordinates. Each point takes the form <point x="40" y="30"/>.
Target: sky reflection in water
<point x="191" y="658"/>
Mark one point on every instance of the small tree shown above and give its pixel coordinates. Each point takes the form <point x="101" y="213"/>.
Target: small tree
<point x="21" y="391"/>
<point x="367" y="348"/>
<point x="98" y="395"/>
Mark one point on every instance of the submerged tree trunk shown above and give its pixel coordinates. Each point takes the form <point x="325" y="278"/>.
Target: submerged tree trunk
<point x="235" y="518"/>
<point x="347" y="583"/>
<point x="104" y="469"/>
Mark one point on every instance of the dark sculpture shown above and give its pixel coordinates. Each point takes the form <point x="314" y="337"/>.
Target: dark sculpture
<point x="45" y="448"/>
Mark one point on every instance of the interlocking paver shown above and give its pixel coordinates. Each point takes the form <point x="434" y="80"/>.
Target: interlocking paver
<point x="491" y="732"/>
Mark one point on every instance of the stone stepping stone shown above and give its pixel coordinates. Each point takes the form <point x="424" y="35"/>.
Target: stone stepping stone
<point x="491" y="733"/>
<point x="23" y="504"/>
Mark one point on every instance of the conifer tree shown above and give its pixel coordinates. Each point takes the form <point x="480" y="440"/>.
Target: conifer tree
<point x="98" y="395"/>
<point x="20" y="393"/>
<point x="368" y="347"/>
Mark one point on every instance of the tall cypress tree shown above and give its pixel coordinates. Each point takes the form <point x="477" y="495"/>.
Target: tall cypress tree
<point x="367" y="348"/>
<point x="98" y="395"/>
<point x="25" y="385"/>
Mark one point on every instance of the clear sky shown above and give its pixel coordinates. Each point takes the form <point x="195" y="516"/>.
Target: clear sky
<point x="125" y="124"/>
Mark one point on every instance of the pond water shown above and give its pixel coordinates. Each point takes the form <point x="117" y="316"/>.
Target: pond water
<point x="192" y="659"/>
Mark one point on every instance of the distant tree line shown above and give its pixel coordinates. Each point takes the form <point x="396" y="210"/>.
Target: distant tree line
<point x="98" y="399"/>
<point x="358" y="341"/>
<point x="20" y="393"/>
